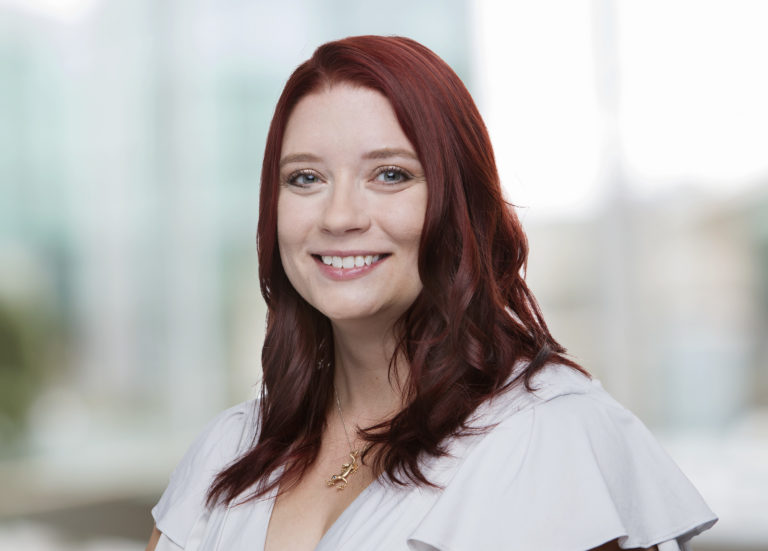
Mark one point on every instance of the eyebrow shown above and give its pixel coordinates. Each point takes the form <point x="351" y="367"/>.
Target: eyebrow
<point x="385" y="153"/>
<point x="299" y="158"/>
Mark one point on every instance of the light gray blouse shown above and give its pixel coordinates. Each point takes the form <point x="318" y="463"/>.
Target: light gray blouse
<point x="565" y="468"/>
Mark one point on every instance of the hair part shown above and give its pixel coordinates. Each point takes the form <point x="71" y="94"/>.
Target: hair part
<point x="474" y="320"/>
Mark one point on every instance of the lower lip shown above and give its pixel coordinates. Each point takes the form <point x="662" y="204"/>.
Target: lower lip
<point x="343" y="274"/>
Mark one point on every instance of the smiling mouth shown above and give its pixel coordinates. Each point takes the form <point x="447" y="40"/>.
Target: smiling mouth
<point x="346" y="262"/>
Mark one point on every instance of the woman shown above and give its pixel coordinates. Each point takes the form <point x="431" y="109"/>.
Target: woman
<point x="413" y="397"/>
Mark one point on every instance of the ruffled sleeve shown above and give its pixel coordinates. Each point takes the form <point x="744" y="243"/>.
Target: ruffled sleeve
<point x="568" y="474"/>
<point x="182" y="505"/>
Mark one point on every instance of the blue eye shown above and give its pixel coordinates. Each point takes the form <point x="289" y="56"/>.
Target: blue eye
<point x="392" y="175"/>
<point x="302" y="178"/>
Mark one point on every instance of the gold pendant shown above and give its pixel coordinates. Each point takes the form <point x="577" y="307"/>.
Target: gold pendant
<point x="347" y="470"/>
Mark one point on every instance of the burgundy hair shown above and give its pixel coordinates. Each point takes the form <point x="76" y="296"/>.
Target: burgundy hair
<point x="474" y="319"/>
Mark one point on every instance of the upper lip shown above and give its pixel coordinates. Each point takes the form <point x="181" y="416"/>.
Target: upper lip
<point x="346" y="253"/>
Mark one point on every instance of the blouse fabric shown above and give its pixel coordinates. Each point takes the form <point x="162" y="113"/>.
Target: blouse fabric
<point x="563" y="468"/>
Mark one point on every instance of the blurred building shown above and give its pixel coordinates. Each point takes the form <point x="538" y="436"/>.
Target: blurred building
<point x="696" y="316"/>
<point x="131" y="135"/>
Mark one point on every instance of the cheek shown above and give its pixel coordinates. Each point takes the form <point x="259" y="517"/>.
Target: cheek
<point x="289" y="221"/>
<point x="408" y="224"/>
<point x="289" y="250"/>
<point x="289" y="234"/>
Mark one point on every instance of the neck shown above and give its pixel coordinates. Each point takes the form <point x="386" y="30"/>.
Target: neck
<point x="366" y="391"/>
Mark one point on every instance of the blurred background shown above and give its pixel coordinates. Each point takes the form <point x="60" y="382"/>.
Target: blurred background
<point x="633" y="136"/>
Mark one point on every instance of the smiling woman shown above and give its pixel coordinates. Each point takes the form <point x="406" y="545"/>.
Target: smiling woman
<point x="413" y="397"/>
<point x="350" y="213"/>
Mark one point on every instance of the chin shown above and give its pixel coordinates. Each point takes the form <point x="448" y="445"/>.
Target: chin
<point x="384" y="315"/>
<point x="350" y="315"/>
<point x="349" y="310"/>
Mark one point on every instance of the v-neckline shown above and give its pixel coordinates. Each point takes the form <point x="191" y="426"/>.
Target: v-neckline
<point x="346" y="512"/>
<point x="349" y="510"/>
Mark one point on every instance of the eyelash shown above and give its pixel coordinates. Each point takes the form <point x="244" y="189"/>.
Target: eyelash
<point x="292" y="178"/>
<point x="402" y="174"/>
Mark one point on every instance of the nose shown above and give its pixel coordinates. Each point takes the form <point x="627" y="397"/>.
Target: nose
<point x="345" y="209"/>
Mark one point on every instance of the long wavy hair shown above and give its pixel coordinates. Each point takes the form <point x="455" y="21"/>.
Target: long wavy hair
<point x="474" y="320"/>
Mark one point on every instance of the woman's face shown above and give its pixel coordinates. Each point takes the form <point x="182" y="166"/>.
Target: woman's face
<point x="351" y="206"/>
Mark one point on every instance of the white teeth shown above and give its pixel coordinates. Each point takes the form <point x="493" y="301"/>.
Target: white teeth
<point x="349" y="261"/>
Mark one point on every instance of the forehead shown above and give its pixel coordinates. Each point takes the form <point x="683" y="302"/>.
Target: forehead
<point x="343" y="117"/>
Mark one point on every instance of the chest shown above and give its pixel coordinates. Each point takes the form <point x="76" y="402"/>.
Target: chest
<point x="303" y="513"/>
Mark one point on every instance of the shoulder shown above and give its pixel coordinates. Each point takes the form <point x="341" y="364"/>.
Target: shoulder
<point x="564" y="467"/>
<point x="218" y="442"/>
<point x="564" y="405"/>
<point x="217" y="446"/>
<point x="552" y="381"/>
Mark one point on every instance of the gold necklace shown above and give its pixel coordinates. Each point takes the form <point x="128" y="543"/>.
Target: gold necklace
<point x="347" y="469"/>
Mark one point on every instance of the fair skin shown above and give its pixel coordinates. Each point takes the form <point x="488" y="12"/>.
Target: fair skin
<point x="609" y="546"/>
<point x="353" y="188"/>
<point x="362" y="195"/>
